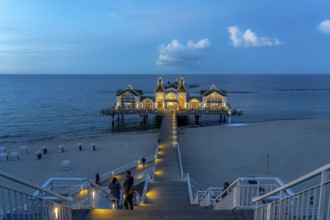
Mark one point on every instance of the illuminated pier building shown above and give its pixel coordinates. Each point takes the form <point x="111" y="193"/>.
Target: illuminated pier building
<point x="171" y="96"/>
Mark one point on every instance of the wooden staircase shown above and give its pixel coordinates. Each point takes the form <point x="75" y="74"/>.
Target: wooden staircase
<point x="167" y="196"/>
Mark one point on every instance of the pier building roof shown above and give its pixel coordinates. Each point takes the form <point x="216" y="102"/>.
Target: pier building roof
<point x="131" y="90"/>
<point x="212" y="90"/>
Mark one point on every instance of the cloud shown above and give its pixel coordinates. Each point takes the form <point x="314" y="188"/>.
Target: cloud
<point x="250" y="39"/>
<point x="176" y="54"/>
<point x="324" y="26"/>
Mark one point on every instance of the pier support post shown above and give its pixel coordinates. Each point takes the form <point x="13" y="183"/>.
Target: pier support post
<point x="197" y="119"/>
<point x="220" y="118"/>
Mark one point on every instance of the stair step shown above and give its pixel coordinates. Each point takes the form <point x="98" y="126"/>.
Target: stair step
<point x="193" y="214"/>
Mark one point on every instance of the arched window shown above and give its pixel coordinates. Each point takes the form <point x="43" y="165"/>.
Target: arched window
<point x="127" y="101"/>
<point x="214" y="101"/>
<point x="170" y="97"/>
<point x="160" y="101"/>
<point x="182" y="101"/>
<point x="194" y="104"/>
<point x="147" y="104"/>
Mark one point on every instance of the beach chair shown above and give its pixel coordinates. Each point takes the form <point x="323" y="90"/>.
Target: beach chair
<point x="13" y="156"/>
<point x="22" y="150"/>
<point x="66" y="165"/>
<point x="93" y="146"/>
<point x="3" y="156"/>
<point x="38" y="154"/>
<point x="44" y="149"/>
<point x="61" y="148"/>
<point x="79" y="147"/>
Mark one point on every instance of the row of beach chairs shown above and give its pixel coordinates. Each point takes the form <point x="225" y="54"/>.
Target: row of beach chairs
<point x="79" y="147"/>
<point x="4" y="155"/>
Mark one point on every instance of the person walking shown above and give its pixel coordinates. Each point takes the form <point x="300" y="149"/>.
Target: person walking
<point x="115" y="187"/>
<point x="128" y="191"/>
<point x="98" y="179"/>
<point x="225" y="186"/>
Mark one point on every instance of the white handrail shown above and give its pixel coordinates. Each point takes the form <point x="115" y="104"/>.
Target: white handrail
<point x="18" y="207"/>
<point x="145" y="188"/>
<point x="295" y="182"/>
<point x="278" y="180"/>
<point x="189" y="188"/>
<point x="32" y="185"/>
<point x="102" y="190"/>
<point x="180" y="161"/>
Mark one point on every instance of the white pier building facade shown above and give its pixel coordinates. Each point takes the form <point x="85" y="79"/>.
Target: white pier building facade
<point x="171" y="96"/>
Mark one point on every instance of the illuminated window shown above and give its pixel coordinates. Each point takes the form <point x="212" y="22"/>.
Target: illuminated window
<point x="127" y="101"/>
<point x="214" y="101"/>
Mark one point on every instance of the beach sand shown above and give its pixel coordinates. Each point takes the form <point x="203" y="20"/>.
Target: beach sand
<point x="212" y="155"/>
<point x="112" y="151"/>
<point x="215" y="154"/>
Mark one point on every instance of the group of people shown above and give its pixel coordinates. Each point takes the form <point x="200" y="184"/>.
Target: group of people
<point x="115" y="189"/>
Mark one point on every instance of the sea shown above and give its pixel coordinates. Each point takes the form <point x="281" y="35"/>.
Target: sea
<point x="42" y="107"/>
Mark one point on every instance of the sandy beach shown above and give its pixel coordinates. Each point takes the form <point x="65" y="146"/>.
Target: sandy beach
<point x="112" y="151"/>
<point x="213" y="155"/>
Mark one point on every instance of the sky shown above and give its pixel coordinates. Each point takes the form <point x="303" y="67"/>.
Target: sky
<point x="164" y="37"/>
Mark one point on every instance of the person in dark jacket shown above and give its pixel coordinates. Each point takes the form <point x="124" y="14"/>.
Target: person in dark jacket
<point x="98" y="179"/>
<point x="115" y="187"/>
<point x="128" y="190"/>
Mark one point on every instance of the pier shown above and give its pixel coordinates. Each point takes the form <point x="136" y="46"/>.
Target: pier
<point x="174" y="97"/>
<point x="116" y="115"/>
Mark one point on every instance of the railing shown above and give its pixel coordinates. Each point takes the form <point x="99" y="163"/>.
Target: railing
<point x="197" y="196"/>
<point x="312" y="203"/>
<point x="189" y="189"/>
<point x="128" y="166"/>
<point x="145" y="189"/>
<point x="135" y="163"/>
<point x="19" y="205"/>
<point x="84" y="193"/>
<point x="144" y="176"/>
<point x="100" y="198"/>
<point x="180" y="161"/>
<point x="140" y="177"/>
<point x="240" y="193"/>
<point x="207" y="199"/>
<point x="113" y="111"/>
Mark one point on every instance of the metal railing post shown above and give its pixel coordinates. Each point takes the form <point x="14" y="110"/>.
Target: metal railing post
<point x="323" y="190"/>
<point x="237" y="201"/>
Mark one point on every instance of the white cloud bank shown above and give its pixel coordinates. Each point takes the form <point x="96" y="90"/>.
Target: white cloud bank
<point x="324" y="26"/>
<point x="176" y="54"/>
<point x="250" y="39"/>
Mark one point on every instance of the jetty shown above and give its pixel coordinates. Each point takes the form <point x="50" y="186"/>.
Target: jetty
<point x="172" y="96"/>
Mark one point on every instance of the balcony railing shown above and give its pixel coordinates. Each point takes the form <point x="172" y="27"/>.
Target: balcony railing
<point x="19" y="205"/>
<point x="311" y="203"/>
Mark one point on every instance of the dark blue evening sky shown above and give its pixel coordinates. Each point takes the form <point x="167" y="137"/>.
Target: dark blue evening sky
<point x="161" y="37"/>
